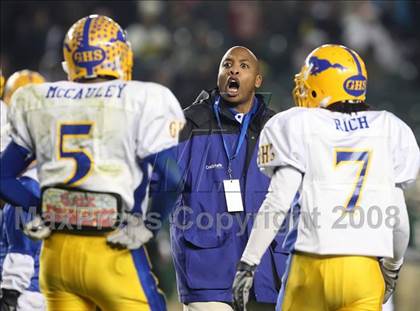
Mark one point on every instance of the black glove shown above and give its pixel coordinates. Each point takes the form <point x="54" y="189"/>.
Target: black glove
<point x="390" y="278"/>
<point x="8" y="301"/>
<point x="242" y="285"/>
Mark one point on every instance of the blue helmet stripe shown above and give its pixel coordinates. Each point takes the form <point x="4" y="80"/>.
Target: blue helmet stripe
<point x="359" y="68"/>
<point x="86" y="27"/>
<point x="85" y="44"/>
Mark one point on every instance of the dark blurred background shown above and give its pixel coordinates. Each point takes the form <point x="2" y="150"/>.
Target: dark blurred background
<point x="180" y="44"/>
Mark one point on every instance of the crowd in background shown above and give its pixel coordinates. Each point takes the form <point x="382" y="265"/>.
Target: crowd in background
<point x="179" y="44"/>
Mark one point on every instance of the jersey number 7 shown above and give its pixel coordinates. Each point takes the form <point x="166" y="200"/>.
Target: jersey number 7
<point x="80" y="132"/>
<point x="356" y="157"/>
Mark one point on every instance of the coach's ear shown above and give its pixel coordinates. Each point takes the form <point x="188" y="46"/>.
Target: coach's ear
<point x="258" y="81"/>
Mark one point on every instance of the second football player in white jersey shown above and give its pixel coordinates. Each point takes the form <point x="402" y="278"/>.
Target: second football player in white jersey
<point x="349" y="166"/>
<point x="20" y="261"/>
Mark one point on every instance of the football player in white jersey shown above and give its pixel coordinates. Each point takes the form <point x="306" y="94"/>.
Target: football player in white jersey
<point x="89" y="136"/>
<point x="3" y="114"/>
<point x="350" y="166"/>
<point x="20" y="262"/>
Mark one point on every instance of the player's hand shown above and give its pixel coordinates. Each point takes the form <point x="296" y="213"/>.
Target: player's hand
<point x="8" y="301"/>
<point x="390" y="278"/>
<point x="242" y="285"/>
<point x="132" y="236"/>
<point x="36" y="229"/>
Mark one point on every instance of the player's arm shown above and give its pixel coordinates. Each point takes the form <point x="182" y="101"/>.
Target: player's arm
<point x="390" y="266"/>
<point x="158" y="129"/>
<point x="18" y="265"/>
<point x="165" y="192"/>
<point x="281" y="157"/>
<point x="401" y="232"/>
<point x="283" y="188"/>
<point x="159" y="136"/>
<point x="138" y="232"/>
<point x="18" y="154"/>
<point x="13" y="161"/>
<point x="406" y="156"/>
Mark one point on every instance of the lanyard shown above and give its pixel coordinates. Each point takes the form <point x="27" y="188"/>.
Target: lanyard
<point x="244" y="129"/>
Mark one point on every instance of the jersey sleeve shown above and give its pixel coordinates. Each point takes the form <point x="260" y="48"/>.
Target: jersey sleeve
<point x="282" y="143"/>
<point x="18" y="270"/>
<point x="17" y="120"/>
<point x="406" y="155"/>
<point x="160" y="122"/>
<point x="4" y="127"/>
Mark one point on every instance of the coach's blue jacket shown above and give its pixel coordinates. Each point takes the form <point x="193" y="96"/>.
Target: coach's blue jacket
<point x="207" y="241"/>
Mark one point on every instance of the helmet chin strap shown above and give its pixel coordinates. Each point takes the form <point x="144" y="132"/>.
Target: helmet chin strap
<point x="65" y="67"/>
<point x="325" y="101"/>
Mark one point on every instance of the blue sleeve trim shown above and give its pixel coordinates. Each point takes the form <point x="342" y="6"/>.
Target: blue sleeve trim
<point x="155" y="297"/>
<point x="141" y="192"/>
<point x="167" y="188"/>
<point x="280" y="298"/>
<point x="13" y="161"/>
<point x="18" y="242"/>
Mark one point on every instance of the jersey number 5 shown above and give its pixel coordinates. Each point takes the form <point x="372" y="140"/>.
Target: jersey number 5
<point x="360" y="158"/>
<point x="79" y="132"/>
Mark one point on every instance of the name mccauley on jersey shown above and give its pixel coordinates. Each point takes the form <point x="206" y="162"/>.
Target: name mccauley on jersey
<point x="78" y="135"/>
<point x="86" y="92"/>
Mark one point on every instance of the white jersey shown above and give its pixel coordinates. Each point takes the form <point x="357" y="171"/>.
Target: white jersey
<point x="350" y="164"/>
<point x="91" y="135"/>
<point x="4" y="126"/>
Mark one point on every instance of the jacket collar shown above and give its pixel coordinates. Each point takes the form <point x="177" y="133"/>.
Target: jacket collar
<point x="208" y="97"/>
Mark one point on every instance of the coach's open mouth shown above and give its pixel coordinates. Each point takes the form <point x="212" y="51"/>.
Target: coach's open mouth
<point x="232" y="88"/>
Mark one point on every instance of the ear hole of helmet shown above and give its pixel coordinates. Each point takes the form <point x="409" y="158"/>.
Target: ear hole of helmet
<point x="313" y="93"/>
